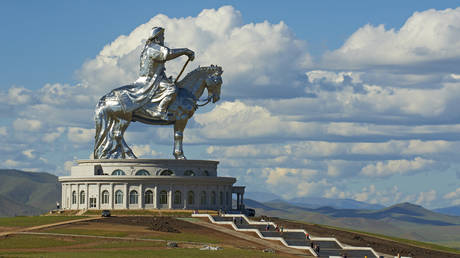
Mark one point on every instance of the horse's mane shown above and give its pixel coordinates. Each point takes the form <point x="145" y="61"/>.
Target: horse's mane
<point x="198" y="72"/>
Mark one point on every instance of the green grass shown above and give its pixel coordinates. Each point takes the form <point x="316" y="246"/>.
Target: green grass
<point x="185" y="237"/>
<point x="421" y="244"/>
<point x="28" y="241"/>
<point x="127" y="244"/>
<point x="91" y="232"/>
<point x="176" y="252"/>
<point x="143" y="213"/>
<point x="34" y="220"/>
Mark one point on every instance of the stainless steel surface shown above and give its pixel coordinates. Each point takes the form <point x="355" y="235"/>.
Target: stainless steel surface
<point x="153" y="99"/>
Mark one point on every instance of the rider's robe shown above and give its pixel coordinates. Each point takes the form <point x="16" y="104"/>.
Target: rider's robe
<point x="114" y="110"/>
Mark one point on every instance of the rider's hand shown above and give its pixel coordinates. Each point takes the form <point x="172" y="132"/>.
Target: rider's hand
<point x="190" y="54"/>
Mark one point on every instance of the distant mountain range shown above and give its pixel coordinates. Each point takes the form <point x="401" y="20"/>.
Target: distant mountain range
<point x="403" y="220"/>
<point x="452" y="210"/>
<point x="314" y="202"/>
<point x="27" y="193"/>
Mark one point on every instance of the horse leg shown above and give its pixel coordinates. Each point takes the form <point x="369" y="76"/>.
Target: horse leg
<point x="179" y="127"/>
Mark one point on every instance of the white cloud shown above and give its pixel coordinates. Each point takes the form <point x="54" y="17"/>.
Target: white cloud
<point x="80" y="135"/>
<point x="426" y="36"/>
<point x="452" y="195"/>
<point x="425" y="198"/>
<point x="19" y="96"/>
<point x="392" y="167"/>
<point x="253" y="58"/>
<point x="29" y="153"/>
<point x="30" y="125"/>
<point x="68" y="165"/>
<point x="11" y="163"/>
<point x="144" y="150"/>
<point x="3" y="131"/>
<point x="51" y="137"/>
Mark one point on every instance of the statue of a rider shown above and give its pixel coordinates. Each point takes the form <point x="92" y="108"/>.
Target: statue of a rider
<point x="152" y="72"/>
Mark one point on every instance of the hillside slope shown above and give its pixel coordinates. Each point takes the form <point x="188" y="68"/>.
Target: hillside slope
<point x="27" y="193"/>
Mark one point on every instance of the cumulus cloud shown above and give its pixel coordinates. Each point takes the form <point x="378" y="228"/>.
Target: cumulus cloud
<point x="426" y="36"/>
<point x="426" y="197"/>
<point x="144" y="150"/>
<point x="453" y="197"/>
<point x="253" y="58"/>
<point x="29" y="153"/>
<point x="27" y="125"/>
<point x="392" y="167"/>
<point x="3" y="131"/>
<point x="80" y="135"/>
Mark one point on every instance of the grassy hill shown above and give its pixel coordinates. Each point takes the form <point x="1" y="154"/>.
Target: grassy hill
<point x="27" y="193"/>
<point x="403" y="220"/>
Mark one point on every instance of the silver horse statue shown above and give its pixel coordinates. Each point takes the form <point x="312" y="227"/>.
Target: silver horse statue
<point x="111" y="123"/>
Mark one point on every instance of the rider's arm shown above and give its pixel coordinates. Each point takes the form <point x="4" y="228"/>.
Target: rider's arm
<point x="173" y="53"/>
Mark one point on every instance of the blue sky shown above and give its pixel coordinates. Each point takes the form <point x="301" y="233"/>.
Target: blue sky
<point x="340" y="99"/>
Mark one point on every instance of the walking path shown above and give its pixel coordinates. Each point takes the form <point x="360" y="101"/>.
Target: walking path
<point x="15" y="231"/>
<point x="247" y="237"/>
<point x="110" y="237"/>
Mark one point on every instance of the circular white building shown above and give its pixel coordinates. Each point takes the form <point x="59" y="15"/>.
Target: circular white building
<point x="148" y="184"/>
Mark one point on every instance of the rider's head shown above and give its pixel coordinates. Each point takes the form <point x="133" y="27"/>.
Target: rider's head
<point x="157" y="35"/>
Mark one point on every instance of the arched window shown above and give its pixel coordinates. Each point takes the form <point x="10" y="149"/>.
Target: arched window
<point x="163" y="197"/>
<point x="221" y="198"/>
<point x="74" y="197"/>
<point x="105" y="197"/>
<point x="213" y="198"/>
<point x="148" y="197"/>
<point x="191" y="198"/>
<point x="118" y="172"/>
<point x="82" y="197"/>
<point x="133" y="197"/>
<point x="205" y="173"/>
<point x="142" y="172"/>
<point x="177" y="197"/>
<point x="189" y="173"/>
<point x="166" y="172"/>
<point x="203" y="198"/>
<point x="118" y="197"/>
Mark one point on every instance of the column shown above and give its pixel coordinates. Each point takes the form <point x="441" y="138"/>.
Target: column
<point x="87" y="196"/>
<point x="170" y="197"/>
<point x="63" y="195"/>
<point x="184" y="197"/>
<point x="155" y="197"/>
<point x="242" y="200"/>
<point x="98" y="203"/>
<point x="126" y="196"/>
<point x="140" y="200"/>
<point x="78" y="196"/>
<point x="237" y="201"/>
<point x="111" y="197"/>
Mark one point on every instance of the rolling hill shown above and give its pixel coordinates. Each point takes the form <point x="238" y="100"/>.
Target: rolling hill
<point x="27" y="193"/>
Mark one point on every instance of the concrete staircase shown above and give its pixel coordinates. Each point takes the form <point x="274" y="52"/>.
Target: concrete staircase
<point x="293" y="238"/>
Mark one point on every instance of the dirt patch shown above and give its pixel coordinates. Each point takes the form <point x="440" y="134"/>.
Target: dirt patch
<point x="356" y="239"/>
<point x="163" y="224"/>
<point x="155" y="223"/>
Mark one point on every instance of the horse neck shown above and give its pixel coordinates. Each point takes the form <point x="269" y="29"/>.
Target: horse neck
<point x="197" y="86"/>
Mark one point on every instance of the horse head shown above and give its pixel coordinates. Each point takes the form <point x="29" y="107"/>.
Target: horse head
<point x="214" y="82"/>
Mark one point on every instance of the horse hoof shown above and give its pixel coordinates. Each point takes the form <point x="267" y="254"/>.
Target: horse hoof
<point x="180" y="156"/>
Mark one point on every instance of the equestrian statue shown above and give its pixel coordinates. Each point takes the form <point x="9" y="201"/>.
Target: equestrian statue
<point x="153" y="99"/>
